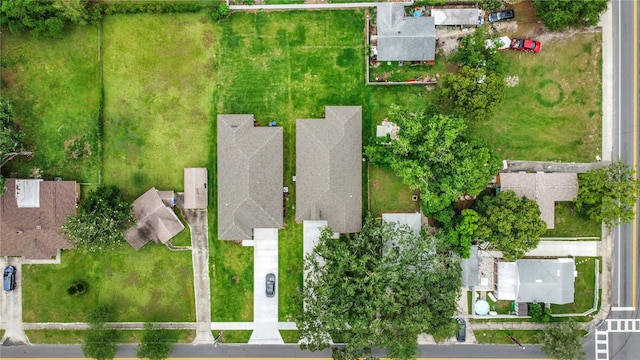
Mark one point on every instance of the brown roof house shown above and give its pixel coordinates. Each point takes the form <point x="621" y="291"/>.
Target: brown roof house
<point x="250" y="177"/>
<point x="195" y="188"/>
<point x="544" y="188"/>
<point x="329" y="169"/>
<point x="156" y="219"/>
<point x="31" y="212"/>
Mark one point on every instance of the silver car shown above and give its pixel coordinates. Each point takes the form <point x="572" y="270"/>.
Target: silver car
<point x="271" y="285"/>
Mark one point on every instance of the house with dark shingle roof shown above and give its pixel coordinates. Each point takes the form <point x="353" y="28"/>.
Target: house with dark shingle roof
<point x="404" y="38"/>
<point x="31" y="213"/>
<point x="156" y="219"/>
<point x="329" y="168"/>
<point x="250" y="177"/>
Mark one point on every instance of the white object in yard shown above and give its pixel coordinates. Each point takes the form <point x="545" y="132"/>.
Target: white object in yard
<point x="503" y="42"/>
<point x="374" y="50"/>
<point x="493" y="313"/>
<point x="492" y="297"/>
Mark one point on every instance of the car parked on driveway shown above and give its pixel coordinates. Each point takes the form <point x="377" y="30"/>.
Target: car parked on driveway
<point x="271" y="285"/>
<point x="502" y="15"/>
<point x="9" y="278"/>
<point x="461" y="336"/>
<point x="526" y="45"/>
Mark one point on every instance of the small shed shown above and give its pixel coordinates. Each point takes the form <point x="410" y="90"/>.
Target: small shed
<point x="456" y="17"/>
<point x="195" y="188"/>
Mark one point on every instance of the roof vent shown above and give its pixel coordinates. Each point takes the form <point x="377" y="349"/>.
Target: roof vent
<point x="38" y="227"/>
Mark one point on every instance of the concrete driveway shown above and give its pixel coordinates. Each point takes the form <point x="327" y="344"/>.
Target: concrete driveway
<point x="265" y="309"/>
<point x="11" y="307"/>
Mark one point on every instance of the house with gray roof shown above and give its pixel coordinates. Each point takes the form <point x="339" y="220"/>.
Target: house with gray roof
<point x="250" y="177"/>
<point x="404" y="38"/>
<point x="543" y="188"/>
<point x="536" y="280"/>
<point x="456" y="17"/>
<point x="329" y="168"/>
<point x="156" y="219"/>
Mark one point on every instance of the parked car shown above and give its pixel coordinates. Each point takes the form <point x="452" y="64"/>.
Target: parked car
<point x="502" y="15"/>
<point x="526" y="45"/>
<point x="9" y="278"/>
<point x="271" y="285"/>
<point x="462" y="330"/>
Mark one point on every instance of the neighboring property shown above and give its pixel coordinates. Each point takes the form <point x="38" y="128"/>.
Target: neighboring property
<point x="457" y="17"/>
<point x="195" y="188"/>
<point x="329" y="168"/>
<point x="536" y="280"/>
<point x="471" y="268"/>
<point x="31" y="212"/>
<point x="250" y="177"/>
<point x="404" y="38"/>
<point x="544" y="188"/>
<point x="387" y="128"/>
<point x="413" y="220"/>
<point x="156" y="219"/>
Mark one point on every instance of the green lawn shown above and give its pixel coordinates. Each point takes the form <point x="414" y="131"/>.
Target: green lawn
<point x="389" y="194"/>
<point x="290" y="336"/>
<point x="568" y="223"/>
<point x="123" y="336"/>
<point x="502" y="336"/>
<point x="54" y="86"/>
<point x="234" y="336"/>
<point x="152" y="284"/>
<point x="391" y="71"/>
<point x="554" y="113"/>
<point x="583" y="289"/>
<point x="158" y="82"/>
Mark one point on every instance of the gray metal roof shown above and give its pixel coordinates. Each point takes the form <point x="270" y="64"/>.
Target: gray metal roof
<point x="403" y="37"/>
<point x="544" y="188"/>
<point x="470" y="269"/>
<point x="250" y="177"/>
<point x="539" y="280"/>
<point x="329" y="168"/>
<point x="459" y="17"/>
<point x="195" y="188"/>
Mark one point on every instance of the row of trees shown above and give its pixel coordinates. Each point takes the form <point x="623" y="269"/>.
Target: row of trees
<point x="100" y="341"/>
<point x="11" y="139"/>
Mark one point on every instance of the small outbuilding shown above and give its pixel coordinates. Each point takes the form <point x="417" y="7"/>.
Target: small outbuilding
<point x="195" y="188"/>
<point x="457" y="17"/>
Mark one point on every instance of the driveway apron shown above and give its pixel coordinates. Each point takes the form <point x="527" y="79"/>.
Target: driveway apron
<point x="11" y="307"/>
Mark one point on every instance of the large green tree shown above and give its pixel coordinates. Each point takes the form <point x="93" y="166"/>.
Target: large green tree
<point x="474" y="53"/>
<point x="41" y="17"/>
<point x="100" y="342"/>
<point x="461" y="235"/>
<point x="11" y="139"/>
<point x="102" y="218"/>
<point x="562" y="341"/>
<point x="608" y="194"/>
<point x="561" y="14"/>
<point x="155" y="343"/>
<point x="436" y="155"/>
<point x="380" y="287"/>
<point x="473" y="93"/>
<point x="511" y="224"/>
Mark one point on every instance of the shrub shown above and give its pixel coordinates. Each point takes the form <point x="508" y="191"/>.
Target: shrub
<point x="78" y="288"/>
<point x="220" y="12"/>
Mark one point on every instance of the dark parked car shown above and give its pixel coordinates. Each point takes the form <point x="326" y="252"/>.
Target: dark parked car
<point x="9" y="278"/>
<point x="271" y="285"/>
<point x="462" y="330"/>
<point x="502" y="15"/>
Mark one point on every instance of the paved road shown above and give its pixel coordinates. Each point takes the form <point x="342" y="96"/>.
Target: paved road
<point x="624" y="297"/>
<point x="277" y="351"/>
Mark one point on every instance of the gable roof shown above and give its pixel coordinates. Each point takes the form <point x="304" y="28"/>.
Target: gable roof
<point x="156" y="221"/>
<point x="34" y="232"/>
<point x="456" y="17"/>
<point x="537" y="280"/>
<point x="544" y="188"/>
<point x="250" y="177"/>
<point x="195" y="188"/>
<point x="329" y="168"/>
<point x="403" y="37"/>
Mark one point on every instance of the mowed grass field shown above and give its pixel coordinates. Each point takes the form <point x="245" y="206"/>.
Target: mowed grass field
<point x="152" y="284"/>
<point x="158" y="81"/>
<point x="554" y="112"/>
<point x="54" y="86"/>
<point x="283" y="66"/>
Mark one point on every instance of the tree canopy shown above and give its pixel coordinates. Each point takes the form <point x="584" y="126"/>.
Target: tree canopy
<point x="99" y="342"/>
<point x="561" y="14"/>
<point x="155" y="343"/>
<point x="473" y="94"/>
<point x="511" y="224"/>
<point x="380" y="287"/>
<point x="462" y="234"/>
<point x="473" y="52"/>
<point x="562" y="341"/>
<point x="11" y="138"/>
<point x="435" y="155"/>
<point x="608" y="194"/>
<point x="102" y="218"/>
<point x="42" y="17"/>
